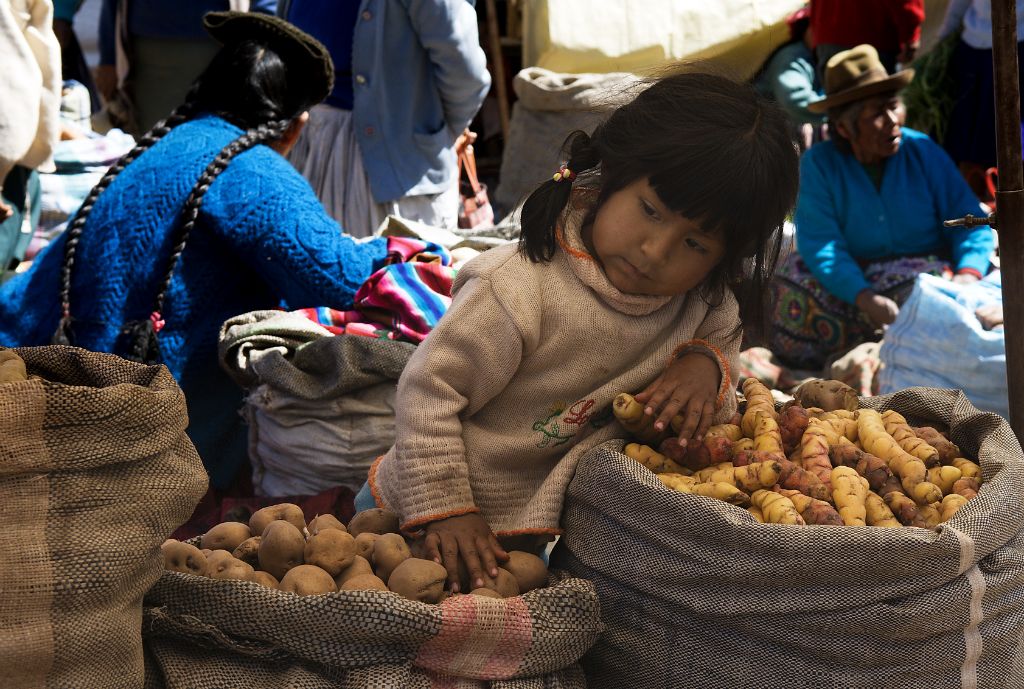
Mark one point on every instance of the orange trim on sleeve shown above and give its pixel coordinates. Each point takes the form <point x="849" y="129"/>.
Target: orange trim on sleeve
<point x="723" y="389"/>
<point x="371" y="479"/>
<point x="413" y="524"/>
<point x="531" y="532"/>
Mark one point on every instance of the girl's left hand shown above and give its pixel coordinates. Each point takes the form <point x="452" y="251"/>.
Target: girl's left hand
<point x="688" y="386"/>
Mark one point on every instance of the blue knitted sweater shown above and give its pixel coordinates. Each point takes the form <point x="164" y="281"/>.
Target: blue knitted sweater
<point x="262" y="240"/>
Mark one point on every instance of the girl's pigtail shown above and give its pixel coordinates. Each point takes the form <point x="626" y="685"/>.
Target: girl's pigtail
<point x="544" y="207"/>
<point x="139" y="337"/>
<point x="64" y="334"/>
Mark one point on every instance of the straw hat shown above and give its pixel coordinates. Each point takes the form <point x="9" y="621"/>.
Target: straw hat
<point x="856" y="74"/>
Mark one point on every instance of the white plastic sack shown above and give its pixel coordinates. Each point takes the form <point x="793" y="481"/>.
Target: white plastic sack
<point x="937" y="341"/>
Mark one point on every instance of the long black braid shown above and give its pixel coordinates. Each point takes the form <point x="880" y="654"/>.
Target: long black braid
<point x="139" y="337"/>
<point x="248" y="85"/>
<point x="64" y="334"/>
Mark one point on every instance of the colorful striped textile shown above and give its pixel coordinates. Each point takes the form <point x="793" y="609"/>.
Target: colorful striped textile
<point x="403" y="300"/>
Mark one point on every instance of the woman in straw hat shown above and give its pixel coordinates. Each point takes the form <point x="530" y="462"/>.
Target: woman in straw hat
<point x="868" y="218"/>
<point x="205" y="219"/>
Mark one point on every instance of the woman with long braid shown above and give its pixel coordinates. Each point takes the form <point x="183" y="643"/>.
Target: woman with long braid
<point x="203" y="220"/>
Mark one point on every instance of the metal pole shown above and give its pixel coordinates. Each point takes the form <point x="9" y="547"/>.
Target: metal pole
<point x="1010" y="200"/>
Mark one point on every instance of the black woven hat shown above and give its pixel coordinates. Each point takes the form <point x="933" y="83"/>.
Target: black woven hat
<point x="308" y="61"/>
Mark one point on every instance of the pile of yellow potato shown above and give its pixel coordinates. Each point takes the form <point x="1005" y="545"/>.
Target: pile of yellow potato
<point x="279" y="550"/>
<point x="826" y="463"/>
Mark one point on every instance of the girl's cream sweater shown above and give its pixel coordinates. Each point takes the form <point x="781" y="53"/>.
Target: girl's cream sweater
<point x="515" y="383"/>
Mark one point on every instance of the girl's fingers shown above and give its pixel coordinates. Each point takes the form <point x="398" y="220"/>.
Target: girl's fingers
<point x="691" y="419"/>
<point x="706" y="417"/>
<point x="430" y="547"/>
<point x="500" y="553"/>
<point x="644" y="396"/>
<point x="669" y="411"/>
<point x="471" y="556"/>
<point x="487" y="560"/>
<point x="450" y="555"/>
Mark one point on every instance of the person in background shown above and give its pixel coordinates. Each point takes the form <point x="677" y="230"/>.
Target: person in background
<point x="30" y="87"/>
<point x="411" y="77"/>
<point x="790" y="78"/>
<point x="150" y="53"/>
<point x="971" y="132"/>
<point x="74" y="66"/>
<point x="893" y="27"/>
<point x="641" y="261"/>
<point x="868" y="218"/>
<point x="202" y="221"/>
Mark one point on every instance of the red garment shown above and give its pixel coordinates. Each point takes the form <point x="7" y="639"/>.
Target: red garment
<point x="889" y="25"/>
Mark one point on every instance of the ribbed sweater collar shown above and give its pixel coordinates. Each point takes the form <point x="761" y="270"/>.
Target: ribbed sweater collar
<point x="569" y="233"/>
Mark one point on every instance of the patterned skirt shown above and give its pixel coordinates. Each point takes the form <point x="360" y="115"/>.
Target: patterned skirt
<point x="810" y="325"/>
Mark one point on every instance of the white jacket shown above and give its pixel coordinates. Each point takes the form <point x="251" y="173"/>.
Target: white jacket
<point x="30" y="81"/>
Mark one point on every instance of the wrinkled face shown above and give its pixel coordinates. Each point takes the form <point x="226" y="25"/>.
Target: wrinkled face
<point x="879" y="133"/>
<point x="646" y="248"/>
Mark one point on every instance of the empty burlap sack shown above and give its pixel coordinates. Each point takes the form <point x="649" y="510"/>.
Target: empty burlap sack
<point x="95" y="472"/>
<point x="203" y="633"/>
<point x="695" y="593"/>
<point x="320" y="407"/>
<point x="549" y="107"/>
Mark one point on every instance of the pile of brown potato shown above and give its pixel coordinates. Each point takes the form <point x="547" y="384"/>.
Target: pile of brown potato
<point x="277" y="549"/>
<point x="820" y="459"/>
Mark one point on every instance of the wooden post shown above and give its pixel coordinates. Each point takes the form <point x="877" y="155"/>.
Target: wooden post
<point x="498" y="61"/>
<point x="1010" y="200"/>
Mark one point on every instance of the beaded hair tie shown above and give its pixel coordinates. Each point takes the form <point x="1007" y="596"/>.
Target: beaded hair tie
<point x="564" y="173"/>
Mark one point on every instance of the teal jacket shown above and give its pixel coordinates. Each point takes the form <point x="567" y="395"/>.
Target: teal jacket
<point x="66" y="9"/>
<point x="841" y="218"/>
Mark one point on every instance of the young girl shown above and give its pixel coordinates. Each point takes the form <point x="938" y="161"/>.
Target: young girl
<point x="638" y="260"/>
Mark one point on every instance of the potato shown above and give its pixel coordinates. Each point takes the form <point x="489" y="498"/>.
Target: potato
<point x="285" y="511"/>
<point x="264" y="579"/>
<point x="360" y="565"/>
<point x="281" y="548"/>
<point x="248" y="551"/>
<point x="421" y="580"/>
<point x="307" y="580"/>
<point x="364" y="582"/>
<point x="389" y="552"/>
<point x="223" y="565"/>
<point x="485" y="592"/>
<point x="324" y="521"/>
<point x="12" y="367"/>
<point x="330" y="550"/>
<point x="376" y="520"/>
<point x="505" y="584"/>
<point x="226" y="536"/>
<point x="183" y="557"/>
<point x="829" y="395"/>
<point x="365" y="543"/>
<point x="529" y="571"/>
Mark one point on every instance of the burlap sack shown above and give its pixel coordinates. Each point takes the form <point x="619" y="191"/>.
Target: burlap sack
<point x="320" y="408"/>
<point x="549" y="107"/>
<point x="694" y="593"/>
<point x="203" y="633"/>
<point x="95" y="472"/>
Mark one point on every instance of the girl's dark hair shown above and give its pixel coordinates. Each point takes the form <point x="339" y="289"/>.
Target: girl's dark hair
<point x="246" y="84"/>
<point x="715" y="152"/>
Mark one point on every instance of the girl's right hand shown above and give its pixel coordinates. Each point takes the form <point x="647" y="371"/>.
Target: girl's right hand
<point x="467" y="536"/>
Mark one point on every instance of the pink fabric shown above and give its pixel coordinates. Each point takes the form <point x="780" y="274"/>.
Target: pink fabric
<point x="402" y="300"/>
<point x="481" y="638"/>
